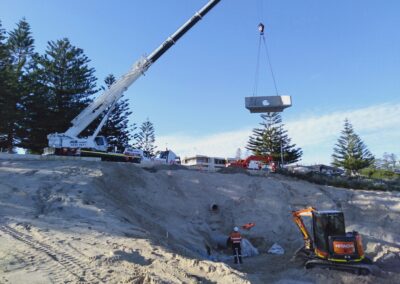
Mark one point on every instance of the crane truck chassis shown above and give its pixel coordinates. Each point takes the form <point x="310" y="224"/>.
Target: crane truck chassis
<point x="69" y="143"/>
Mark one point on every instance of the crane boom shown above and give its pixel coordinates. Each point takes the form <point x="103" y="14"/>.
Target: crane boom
<point x="108" y="99"/>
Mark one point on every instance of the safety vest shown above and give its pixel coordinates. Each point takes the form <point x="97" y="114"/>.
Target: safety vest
<point x="236" y="237"/>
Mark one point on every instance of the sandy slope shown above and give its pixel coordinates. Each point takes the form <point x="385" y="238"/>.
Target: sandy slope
<point x="117" y="223"/>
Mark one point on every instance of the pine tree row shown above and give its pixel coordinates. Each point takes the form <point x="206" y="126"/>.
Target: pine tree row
<point x="41" y="94"/>
<point x="350" y="153"/>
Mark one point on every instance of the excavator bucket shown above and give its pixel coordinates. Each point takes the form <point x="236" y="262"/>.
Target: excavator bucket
<point x="258" y="104"/>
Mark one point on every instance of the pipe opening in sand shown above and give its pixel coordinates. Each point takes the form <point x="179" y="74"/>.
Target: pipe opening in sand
<point x="214" y="208"/>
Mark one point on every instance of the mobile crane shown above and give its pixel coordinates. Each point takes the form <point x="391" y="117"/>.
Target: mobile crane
<point x="69" y="143"/>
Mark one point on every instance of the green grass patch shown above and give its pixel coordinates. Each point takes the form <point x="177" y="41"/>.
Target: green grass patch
<point x="366" y="182"/>
<point x="379" y="174"/>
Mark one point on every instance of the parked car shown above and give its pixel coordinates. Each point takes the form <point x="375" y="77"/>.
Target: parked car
<point x="137" y="155"/>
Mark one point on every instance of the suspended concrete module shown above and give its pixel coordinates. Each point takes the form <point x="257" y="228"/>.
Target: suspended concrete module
<point x="259" y="104"/>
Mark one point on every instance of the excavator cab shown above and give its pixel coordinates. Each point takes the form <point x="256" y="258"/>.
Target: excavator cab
<point x="326" y="224"/>
<point x="331" y="240"/>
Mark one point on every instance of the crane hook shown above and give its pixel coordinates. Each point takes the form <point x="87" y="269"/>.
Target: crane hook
<point x="261" y="28"/>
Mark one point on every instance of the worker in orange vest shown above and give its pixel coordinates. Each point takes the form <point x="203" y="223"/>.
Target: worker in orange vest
<point x="235" y="239"/>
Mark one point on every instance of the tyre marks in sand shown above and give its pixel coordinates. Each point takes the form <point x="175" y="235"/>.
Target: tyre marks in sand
<point x="63" y="267"/>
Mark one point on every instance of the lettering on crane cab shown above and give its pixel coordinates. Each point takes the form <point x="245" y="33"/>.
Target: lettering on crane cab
<point x="76" y="143"/>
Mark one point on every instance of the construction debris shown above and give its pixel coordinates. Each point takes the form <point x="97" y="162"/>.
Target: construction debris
<point x="276" y="249"/>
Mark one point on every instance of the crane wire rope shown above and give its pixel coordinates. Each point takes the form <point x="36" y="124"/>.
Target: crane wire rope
<point x="260" y="10"/>
<point x="257" y="76"/>
<point x="270" y="64"/>
<point x="262" y="40"/>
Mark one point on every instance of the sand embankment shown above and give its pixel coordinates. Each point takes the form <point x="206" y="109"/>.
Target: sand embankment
<point x="119" y="223"/>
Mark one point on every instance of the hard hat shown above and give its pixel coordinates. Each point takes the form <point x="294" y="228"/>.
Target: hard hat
<point x="236" y="229"/>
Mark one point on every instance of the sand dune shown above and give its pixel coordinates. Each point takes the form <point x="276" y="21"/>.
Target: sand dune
<point x="76" y="221"/>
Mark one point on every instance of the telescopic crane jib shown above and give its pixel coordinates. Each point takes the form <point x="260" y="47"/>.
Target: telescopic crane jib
<point x="69" y="141"/>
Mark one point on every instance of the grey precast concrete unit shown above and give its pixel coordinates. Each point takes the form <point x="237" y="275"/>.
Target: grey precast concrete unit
<point x="260" y="104"/>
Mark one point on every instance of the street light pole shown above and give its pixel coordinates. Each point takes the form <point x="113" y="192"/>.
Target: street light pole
<point x="281" y="148"/>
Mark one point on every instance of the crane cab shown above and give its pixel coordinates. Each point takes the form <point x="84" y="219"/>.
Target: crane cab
<point x="260" y="104"/>
<point x="100" y="143"/>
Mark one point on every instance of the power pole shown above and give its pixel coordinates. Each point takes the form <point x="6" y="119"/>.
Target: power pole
<point x="281" y="148"/>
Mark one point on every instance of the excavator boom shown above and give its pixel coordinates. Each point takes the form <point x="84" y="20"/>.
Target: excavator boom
<point x="300" y="224"/>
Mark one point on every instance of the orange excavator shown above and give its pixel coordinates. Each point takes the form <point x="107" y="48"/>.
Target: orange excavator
<point x="331" y="246"/>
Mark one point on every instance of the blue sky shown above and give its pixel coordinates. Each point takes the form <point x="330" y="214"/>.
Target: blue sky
<point x="336" y="59"/>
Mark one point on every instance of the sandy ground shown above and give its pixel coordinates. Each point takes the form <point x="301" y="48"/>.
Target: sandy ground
<point x="92" y="222"/>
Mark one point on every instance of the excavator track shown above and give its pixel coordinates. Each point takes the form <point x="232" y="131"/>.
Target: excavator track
<point x="67" y="265"/>
<point x="362" y="268"/>
<point x="365" y="267"/>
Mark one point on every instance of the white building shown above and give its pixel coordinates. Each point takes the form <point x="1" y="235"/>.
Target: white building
<point x="204" y="162"/>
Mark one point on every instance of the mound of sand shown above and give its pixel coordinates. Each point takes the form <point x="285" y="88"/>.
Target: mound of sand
<point x="119" y="223"/>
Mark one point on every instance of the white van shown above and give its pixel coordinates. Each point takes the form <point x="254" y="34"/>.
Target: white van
<point x="138" y="155"/>
<point x="167" y="157"/>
